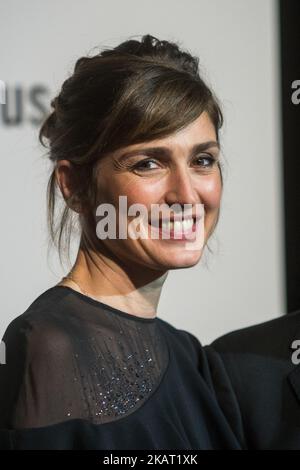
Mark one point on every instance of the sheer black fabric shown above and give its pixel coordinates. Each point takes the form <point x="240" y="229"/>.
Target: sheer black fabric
<point x="80" y="374"/>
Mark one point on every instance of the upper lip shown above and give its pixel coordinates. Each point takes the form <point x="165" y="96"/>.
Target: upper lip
<point x="176" y="217"/>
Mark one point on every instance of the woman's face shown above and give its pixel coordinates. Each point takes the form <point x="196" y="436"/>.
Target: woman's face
<point x="175" y="174"/>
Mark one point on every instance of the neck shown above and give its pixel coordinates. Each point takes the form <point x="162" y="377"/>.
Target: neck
<point x="135" y="291"/>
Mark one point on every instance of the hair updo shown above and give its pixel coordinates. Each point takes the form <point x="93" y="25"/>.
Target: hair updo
<point x="135" y="92"/>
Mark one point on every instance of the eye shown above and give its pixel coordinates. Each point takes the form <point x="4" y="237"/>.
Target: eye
<point x="146" y="165"/>
<point x="200" y="161"/>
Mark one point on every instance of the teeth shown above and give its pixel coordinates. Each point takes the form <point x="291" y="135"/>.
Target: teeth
<point x="188" y="224"/>
<point x="167" y="225"/>
<point x="177" y="225"/>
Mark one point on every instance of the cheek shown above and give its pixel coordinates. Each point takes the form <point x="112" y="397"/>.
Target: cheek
<point x="138" y="191"/>
<point x="111" y="189"/>
<point x="211" y="192"/>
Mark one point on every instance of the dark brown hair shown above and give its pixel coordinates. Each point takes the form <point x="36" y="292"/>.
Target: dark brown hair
<point x="135" y="92"/>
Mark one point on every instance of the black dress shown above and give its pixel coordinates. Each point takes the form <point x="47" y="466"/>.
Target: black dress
<point x="80" y="374"/>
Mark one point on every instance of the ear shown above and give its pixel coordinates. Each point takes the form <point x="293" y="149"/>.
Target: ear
<point x="67" y="180"/>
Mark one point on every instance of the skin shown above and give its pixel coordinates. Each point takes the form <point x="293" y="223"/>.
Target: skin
<point x="129" y="274"/>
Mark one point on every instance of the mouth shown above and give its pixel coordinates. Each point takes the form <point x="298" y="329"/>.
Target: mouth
<point x="176" y="228"/>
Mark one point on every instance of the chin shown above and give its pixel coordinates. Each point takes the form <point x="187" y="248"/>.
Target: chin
<point x="186" y="259"/>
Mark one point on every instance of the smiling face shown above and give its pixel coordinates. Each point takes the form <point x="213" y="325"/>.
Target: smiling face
<point x="179" y="169"/>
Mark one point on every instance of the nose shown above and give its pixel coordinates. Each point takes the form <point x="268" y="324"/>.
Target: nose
<point x="181" y="188"/>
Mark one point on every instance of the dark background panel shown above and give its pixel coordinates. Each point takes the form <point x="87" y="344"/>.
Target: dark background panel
<point x="289" y="17"/>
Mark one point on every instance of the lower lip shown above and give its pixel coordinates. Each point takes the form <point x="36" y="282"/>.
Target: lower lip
<point x="184" y="236"/>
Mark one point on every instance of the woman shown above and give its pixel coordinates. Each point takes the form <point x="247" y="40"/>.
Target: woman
<point x="89" y="364"/>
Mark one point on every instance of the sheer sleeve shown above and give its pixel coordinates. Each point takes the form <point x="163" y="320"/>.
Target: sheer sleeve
<point x="12" y="370"/>
<point x="36" y="383"/>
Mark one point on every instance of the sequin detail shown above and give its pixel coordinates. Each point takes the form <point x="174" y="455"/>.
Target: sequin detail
<point x="124" y="369"/>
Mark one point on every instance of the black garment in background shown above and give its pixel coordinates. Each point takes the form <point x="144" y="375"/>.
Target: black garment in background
<point x="266" y="382"/>
<point x="80" y="374"/>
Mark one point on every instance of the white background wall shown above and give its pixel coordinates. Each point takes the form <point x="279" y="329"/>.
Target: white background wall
<point x="236" y="41"/>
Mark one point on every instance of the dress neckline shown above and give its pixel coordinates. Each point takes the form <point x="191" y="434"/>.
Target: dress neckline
<point x="104" y="306"/>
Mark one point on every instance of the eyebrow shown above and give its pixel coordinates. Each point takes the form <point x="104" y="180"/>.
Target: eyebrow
<point x="166" y="152"/>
